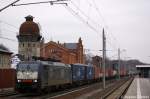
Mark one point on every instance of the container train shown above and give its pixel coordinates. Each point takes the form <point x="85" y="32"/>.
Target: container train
<point x="47" y="75"/>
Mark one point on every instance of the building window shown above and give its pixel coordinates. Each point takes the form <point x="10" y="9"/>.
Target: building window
<point x="33" y="45"/>
<point x="3" y="61"/>
<point x="22" y="44"/>
<point x="8" y="61"/>
<point x="28" y="44"/>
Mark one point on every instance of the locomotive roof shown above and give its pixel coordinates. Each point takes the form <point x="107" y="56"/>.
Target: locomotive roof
<point x="81" y="64"/>
<point x="52" y="63"/>
<point x="48" y="63"/>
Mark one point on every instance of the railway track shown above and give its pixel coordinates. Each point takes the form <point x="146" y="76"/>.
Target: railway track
<point x="114" y="91"/>
<point x="50" y="95"/>
<point x="80" y="92"/>
<point x="75" y="92"/>
<point x="21" y="96"/>
<point x="119" y="92"/>
<point x="7" y="93"/>
<point x="92" y="91"/>
<point x="11" y="96"/>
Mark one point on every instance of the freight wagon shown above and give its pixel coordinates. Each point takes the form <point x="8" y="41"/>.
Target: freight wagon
<point x="89" y="73"/>
<point x="97" y="73"/>
<point x="82" y="73"/>
<point x="78" y="73"/>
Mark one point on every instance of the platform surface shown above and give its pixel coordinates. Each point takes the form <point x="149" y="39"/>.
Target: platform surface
<point x="139" y="89"/>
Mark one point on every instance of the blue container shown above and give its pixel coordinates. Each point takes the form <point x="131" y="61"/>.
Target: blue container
<point x="89" y="72"/>
<point x="78" y="72"/>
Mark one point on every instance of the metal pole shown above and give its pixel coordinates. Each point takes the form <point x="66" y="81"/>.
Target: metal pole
<point x="118" y="63"/>
<point x="104" y="56"/>
<point x="51" y="2"/>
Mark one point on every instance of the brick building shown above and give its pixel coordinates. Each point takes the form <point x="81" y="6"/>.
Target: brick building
<point x="68" y="52"/>
<point x="97" y="61"/>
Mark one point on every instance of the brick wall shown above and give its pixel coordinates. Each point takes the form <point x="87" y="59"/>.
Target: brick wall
<point x="58" y="51"/>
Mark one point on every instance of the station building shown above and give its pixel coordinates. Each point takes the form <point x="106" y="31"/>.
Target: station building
<point x="7" y="74"/>
<point x="5" y="57"/>
<point x="68" y="53"/>
<point x="143" y="70"/>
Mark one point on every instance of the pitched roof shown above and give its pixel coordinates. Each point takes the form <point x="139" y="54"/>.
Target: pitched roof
<point x="70" y="45"/>
<point x="142" y="66"/>
<point x="4" y="49"/>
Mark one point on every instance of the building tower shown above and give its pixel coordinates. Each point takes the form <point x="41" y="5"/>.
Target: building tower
<point x="80" y="51"/>
<point x="30" y="39"/>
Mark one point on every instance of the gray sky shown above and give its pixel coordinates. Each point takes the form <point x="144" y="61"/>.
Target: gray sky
<point x="127" y="24"/>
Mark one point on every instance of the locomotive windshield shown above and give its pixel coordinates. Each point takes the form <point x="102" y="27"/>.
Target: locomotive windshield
<point x="27" y="71"/>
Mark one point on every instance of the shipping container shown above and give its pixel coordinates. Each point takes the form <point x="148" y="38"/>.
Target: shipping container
<point x="7" y="78"/>
<point x="89" y="72"/>
<point x="123" y="71"/>
<point x="110" y="72"/>
<point x="78" y="72"/>
<point x="97" y="72"/>
<point x="106" y="73"/>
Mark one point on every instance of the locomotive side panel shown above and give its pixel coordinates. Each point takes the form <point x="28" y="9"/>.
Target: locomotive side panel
<point x="43" y="76"/>
<point x="59" y="75"/>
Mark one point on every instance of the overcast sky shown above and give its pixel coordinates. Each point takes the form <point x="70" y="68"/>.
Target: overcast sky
<point x="127" y="24"/>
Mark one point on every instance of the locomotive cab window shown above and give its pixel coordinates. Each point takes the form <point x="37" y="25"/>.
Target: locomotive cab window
<point x="27" y="71"/>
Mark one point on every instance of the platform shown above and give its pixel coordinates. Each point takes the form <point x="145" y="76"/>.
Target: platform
<point x="139" y="89"/>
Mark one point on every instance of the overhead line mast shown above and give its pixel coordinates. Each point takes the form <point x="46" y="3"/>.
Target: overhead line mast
<point x="9" y="5"/>
<point x="51" y="2"/>
<point x="104" y="57"/>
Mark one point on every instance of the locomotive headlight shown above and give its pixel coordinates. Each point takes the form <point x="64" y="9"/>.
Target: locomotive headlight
<point x="27" y="73"/>
<point x="35" y="80"/>
<point x="19" y="80"/>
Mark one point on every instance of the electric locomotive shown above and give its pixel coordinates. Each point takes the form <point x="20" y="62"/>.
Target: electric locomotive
<point x="42" y="75"/>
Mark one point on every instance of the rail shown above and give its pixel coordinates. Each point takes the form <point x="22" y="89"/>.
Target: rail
<point x="119" y="90"/>
<point x="93" y="91"/>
